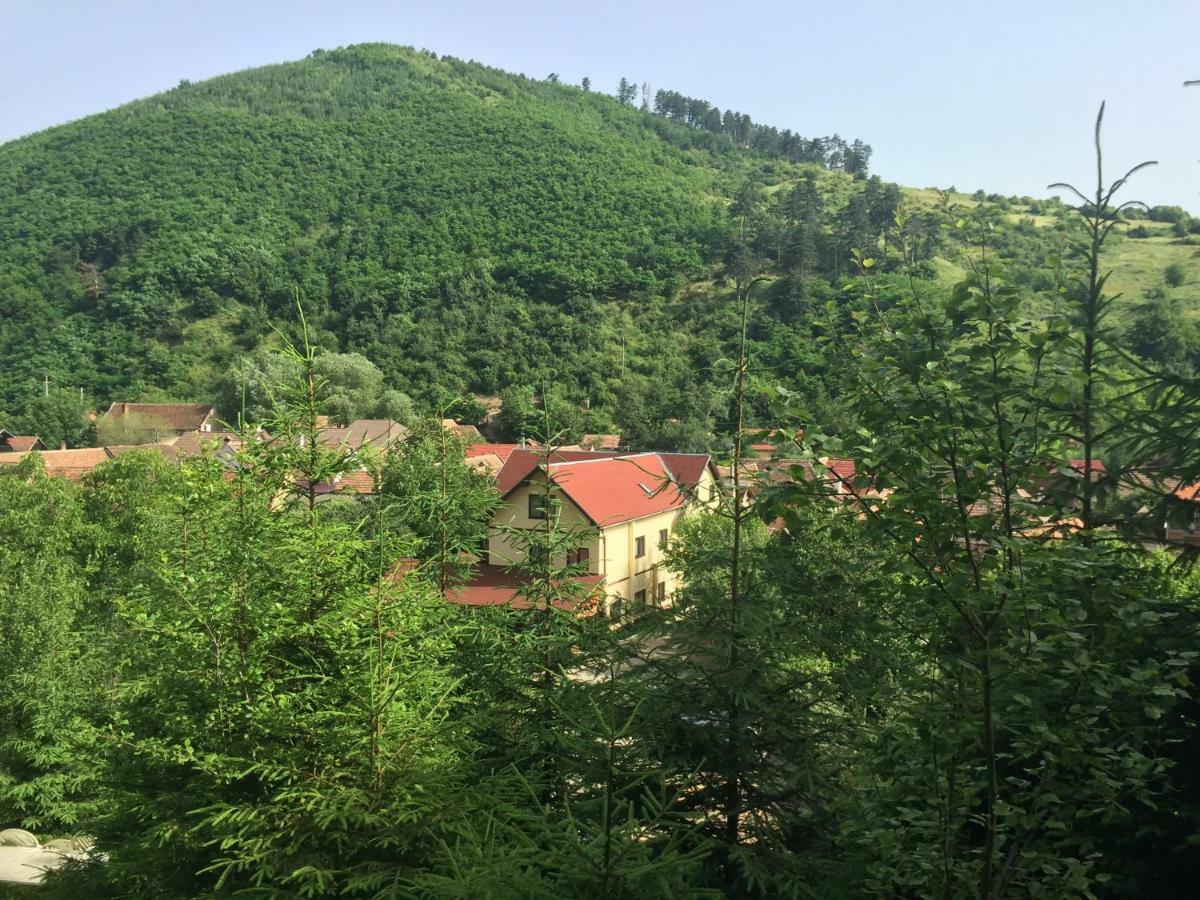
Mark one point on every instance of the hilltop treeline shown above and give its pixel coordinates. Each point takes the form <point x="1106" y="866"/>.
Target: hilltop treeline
<point x="831" y="152"/>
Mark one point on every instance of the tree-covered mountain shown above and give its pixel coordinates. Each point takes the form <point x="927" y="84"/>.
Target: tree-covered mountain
<point x="464" y="229"/>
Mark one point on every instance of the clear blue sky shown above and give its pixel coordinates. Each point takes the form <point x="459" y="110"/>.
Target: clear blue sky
<point x="998" y="95"/>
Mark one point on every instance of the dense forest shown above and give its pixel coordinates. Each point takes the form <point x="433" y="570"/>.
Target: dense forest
<point x="466" y="231"/>
<point x="969" y="671"/>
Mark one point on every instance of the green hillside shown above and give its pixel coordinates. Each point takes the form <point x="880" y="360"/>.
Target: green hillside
<point x="465" y="229"/>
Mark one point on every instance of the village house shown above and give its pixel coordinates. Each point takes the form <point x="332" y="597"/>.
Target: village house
<point x="162" y="422"/>
<point x="19" y="443"/>
<point x="624" y="507"/>
<point x="601" y="442"/>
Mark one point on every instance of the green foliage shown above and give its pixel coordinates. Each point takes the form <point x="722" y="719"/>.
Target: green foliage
<point x="47" y="778"/>
<point x="58" y="417"/>
<point x="433" y="498"/>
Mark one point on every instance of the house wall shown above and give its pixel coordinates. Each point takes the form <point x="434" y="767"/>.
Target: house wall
<point x="626" y="574"/>
<point x="611" y="549"/>
<point x="707" y="492"/>
<point x="502" y="551"/>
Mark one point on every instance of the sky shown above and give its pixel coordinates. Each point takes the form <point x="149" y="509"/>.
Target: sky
<point x="998" y="95"/>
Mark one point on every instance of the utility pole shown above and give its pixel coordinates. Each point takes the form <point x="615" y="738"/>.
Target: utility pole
<point x="45" y="385"/>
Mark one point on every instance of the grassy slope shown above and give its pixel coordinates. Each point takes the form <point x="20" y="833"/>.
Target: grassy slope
<point x="1136" y="264"/>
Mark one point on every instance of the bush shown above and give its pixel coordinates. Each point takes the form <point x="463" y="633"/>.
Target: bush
<point x="1174" y="275"/>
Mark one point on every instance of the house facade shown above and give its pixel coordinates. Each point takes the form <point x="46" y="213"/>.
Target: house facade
<point x="623" y="510"/>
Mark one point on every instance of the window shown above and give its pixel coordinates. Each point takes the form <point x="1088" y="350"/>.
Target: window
<point x="537" y="506"/>
<point x="580" y="556"/>
<point x="639" y="599"/>
<point x="614" y="610"/>
<point x="661" y="593"/>
<point x="639" y="546"/>
<point x="662" y="538"/>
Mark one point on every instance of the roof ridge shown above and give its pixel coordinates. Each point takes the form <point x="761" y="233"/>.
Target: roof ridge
<point x="577" y="462"/>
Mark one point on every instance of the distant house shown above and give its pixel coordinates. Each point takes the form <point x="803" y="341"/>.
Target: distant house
<point x="771" y="443"/>
<point x="380" y="434"/>
<point x="500" y="451"/>
<point x="19" y="443"/>
<point x="626" y="507"/>
<point x="468" y="433"/>
<point x="161" y="421"/>
<point x="601" y="442"/>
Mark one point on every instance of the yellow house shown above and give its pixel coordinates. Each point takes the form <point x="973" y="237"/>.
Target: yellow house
<point x="625" y="508"/>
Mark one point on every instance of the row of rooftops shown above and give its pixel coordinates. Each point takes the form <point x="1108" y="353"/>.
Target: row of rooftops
<point x="642" y="482"/>
<point x="187" y="429"/>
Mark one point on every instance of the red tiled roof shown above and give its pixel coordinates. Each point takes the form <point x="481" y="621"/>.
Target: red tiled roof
<point x="502" y="451"/>
<point x="521" y="463"/>
<point x="70" y="464"/>
<point x="177" y="416"/>
<point x="686" y="468"/>
<point x="842" y="470"/>
<point x="497" y="586"/>
<point x="618" y="489"/>
<point x="1189" y="493"/>
<point x="1077" y="465"/>
<point x="192" y="443"/>
<point x="22" y="443"/>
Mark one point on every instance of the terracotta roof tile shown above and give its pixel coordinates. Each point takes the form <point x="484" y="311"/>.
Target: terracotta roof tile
<point x="619" y="489"/>
<point x="497" y="586"/>
<point x="21" y="443"/>
<point x="686" y="468"/>
<point x="521" y="462"/>
<point x="70" y="464"/>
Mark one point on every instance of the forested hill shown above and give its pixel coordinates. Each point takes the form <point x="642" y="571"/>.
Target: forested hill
<point x="463" y="228"/>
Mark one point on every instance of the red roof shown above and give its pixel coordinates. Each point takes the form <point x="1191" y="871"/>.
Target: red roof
<point x="522" y="462"/>
<point x="1077" y="465"/>
<point x="618" y="489"/>
<point x="22" y="443"/>
<point x="1190" y="493"/>
<point x="842" y="470"/>
<point x="497" y="586"/>
<point x="686" y="468"/>
<point x="499" y="450"/>
<point x="71" y="464"/>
